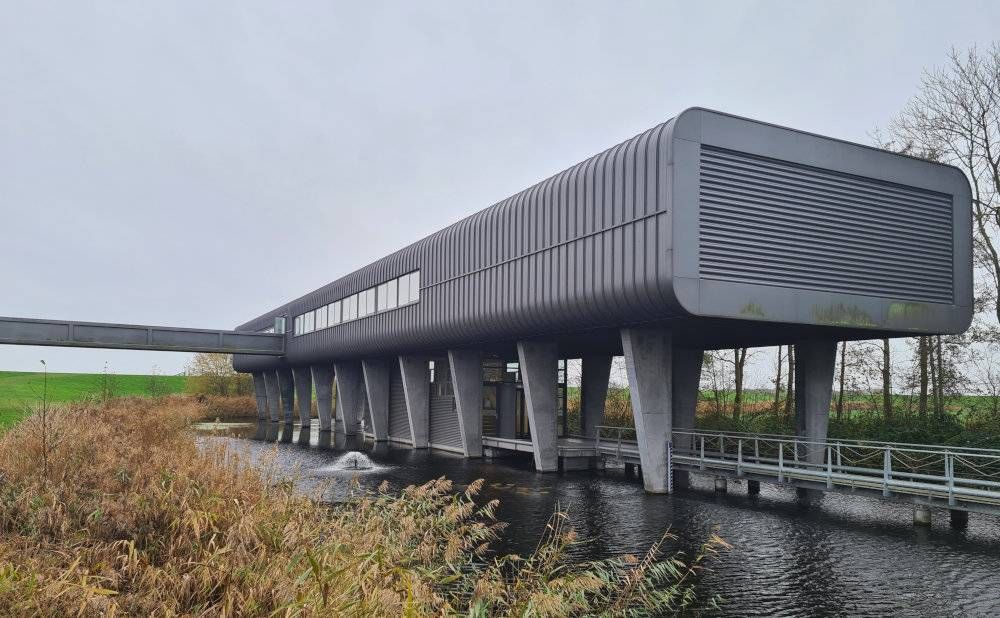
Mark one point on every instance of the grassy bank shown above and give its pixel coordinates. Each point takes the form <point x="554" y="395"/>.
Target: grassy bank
<point x="114" y="510"/>
<point x="19" y="390"/>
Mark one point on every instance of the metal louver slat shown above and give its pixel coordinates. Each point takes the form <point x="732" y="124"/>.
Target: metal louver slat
<point x="778" y="223"/>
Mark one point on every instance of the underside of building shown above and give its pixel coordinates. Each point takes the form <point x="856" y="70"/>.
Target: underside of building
<point x="707" y="231"/>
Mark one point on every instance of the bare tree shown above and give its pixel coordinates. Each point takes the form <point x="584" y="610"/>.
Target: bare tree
<point x="780" y="361"/>
<point x="790" y="390"/>
<point x="886" y="381"/>
<point x="956" y="118"/>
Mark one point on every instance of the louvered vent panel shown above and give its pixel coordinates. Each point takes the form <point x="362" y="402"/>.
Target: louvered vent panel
<point x="772" y="222"/>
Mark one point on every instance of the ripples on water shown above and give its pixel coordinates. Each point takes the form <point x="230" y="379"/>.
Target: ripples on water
<point x="845" y="556"/>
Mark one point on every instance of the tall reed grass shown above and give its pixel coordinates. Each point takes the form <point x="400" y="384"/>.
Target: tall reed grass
<point x="131" y="517"/>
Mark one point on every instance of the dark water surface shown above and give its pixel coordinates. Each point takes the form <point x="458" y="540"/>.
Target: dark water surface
<point x="843" y="556"/>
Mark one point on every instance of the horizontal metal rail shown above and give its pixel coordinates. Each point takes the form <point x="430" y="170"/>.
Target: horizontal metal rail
<point x="25" y="331"/>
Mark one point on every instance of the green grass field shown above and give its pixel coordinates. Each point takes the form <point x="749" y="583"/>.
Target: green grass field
<point x="21" y="389"/>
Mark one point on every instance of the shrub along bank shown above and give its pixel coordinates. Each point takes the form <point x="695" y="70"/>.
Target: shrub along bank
<point x="114" y="509"/>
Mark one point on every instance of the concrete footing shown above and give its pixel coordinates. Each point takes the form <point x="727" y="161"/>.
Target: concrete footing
<point x="721" y="485"/>
<point x="594" y="379"/>
<point x="467" y="378"/>
<point x="286" y="384"/>
<point x="273" y="395"/>
<point x="350" y="390"/>
<point x="921" y="515"/>
<point x="753" y="488"/>
<point x="260" y="392"/>
<point x="376" y="373"/>
<point x="959" y="519"/>
<point x="814" y="364"/>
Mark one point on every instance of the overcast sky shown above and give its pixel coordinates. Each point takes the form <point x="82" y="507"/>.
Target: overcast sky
<point x="196" y="164"/>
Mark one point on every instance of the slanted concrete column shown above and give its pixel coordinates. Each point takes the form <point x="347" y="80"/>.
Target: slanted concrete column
<point x="286" y="383"/>
<point x="814" y="363"/>
<point x="539" y="373"/>
<point x="594" y="391"/>
<point x="648" y="355"/>
<point x="323" y="379"/>
<point x="467" y="379"/>
<point x="349" y="394"/>
<point x="260" y="392"/>
<point x="506" y="410"/>
<point x="687" y="378"/>
<point x="303" y="393"/>
<point x="273" y="394"/>
<point x="416" y="376"/>
<point x="376" y="372"/>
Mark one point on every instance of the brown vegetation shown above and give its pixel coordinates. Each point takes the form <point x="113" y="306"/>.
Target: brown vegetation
<point x="130" y="517"/>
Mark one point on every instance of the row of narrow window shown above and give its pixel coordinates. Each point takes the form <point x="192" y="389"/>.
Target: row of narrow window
<point x="386" y="296"/>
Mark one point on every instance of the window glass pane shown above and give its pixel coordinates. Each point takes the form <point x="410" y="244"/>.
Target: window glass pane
<point x="309" y="324"/>
<point x="371" y="300"/>
<point x="362" y="304"/>
<point x="404" y="289"/>
<point x="353" y="305"/>
<point x="335" y="313"/>
<point x="415" y="286"/>
<point x="298" y="325"/>
<point x="321" y="317"/>
<point x="383" y="297"/>
<point x="391" y="301"/>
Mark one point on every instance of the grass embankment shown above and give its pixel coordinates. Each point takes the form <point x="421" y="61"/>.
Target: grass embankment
<point x="20" y="390"/>
<point x="114" y="510"/>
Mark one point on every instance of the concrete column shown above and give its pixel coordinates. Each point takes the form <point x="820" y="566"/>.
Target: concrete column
<point x="286" y="383"/>
<point x="322" y="376"/>
<point x="506" y="410"/>
<point x="539" y="373"/>
<point x="416" y="376"/>
<point x="303" y="393"/>
<point x="273" y="394"/>
<point x="814" y="363"/>
<point x="467" y="379"/>
<point x="687" y="378"/>
<point x="260" y="392"/>
<point x="594" y="391"/>
<point x="648" y="359"/>
<point x="349" y="394"/>
<point x="376" y="372"/>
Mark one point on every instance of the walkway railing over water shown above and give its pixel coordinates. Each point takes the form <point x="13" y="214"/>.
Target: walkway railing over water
<point x="947" y="475"/>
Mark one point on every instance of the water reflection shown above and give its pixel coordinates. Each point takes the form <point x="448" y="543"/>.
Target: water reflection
<point x="841" y="555"/>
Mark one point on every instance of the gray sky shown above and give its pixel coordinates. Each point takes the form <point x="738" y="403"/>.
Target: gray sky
<point x="196" y="164"/>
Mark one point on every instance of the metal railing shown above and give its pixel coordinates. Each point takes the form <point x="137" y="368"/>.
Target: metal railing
<point x="952" y="475"/>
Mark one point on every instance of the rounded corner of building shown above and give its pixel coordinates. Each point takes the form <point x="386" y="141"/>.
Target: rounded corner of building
<point x="687" y="124"/>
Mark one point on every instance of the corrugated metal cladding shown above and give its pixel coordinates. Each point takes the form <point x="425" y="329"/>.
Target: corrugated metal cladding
<point x="772" y="222"/>
<point x="399" y="421"/>
<point x="587" y="247"/>
<point x="445" y="431"/>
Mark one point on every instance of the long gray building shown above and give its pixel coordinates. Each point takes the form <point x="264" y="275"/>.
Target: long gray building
<point x="707" y="231"/>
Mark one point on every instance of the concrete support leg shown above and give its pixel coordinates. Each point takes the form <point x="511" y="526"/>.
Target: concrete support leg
<point x="273" y="395"/>
<point x="467" y="378"/>
<point x="687" y="377"/>
<point x="721" y="485"/>
<point x="349" y="393"/>
<point x="376" y="372"/>
<point x="753" y="488"/>
<point x="539" y="373"/>
<point x="648" y="356"/>
<point x="260" y="392"/>
<point x="921" y="514"/>
<point x="286" y="383"/>
<point x="323" y="379"/>
<point x="416" y="376"/>
<point x="596" y="372"/>
<point x="814" y="363"/>
<point x="303" y="393"/>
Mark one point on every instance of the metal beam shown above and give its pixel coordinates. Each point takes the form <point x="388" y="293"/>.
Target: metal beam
<point x="24" y="331"/>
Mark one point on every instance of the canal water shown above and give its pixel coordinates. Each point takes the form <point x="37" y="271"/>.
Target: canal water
<point x="842" y="556"/>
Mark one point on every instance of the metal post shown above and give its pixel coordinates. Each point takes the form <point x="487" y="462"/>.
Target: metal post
<point x="781" y="461"/>
<point x="886" y="471"/>
<point x="795" y="450"/>
<point x="829" y="467"/>
<point x="840" y="461"/>
<point x="756" y="450"/>
<point x="949" y="472"/>
<point x="739" y="457"/>
<point x="702" y="461"/>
